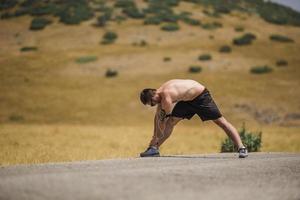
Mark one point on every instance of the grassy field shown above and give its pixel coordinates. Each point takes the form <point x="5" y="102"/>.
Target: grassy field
<point x="53" y="108"/>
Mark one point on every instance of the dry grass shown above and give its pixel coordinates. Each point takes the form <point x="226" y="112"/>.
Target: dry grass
<point x="71" y="111"/>
<point x="56" y="143"/>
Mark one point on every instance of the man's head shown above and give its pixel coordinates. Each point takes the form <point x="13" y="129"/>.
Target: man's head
<point x="147" y="95"/>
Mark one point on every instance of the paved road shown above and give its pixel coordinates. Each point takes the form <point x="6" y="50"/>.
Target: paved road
<point x="213" y="176"/>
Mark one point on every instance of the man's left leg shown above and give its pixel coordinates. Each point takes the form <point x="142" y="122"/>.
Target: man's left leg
<point x="233" y="134"/>
<point x="230" y="131"/>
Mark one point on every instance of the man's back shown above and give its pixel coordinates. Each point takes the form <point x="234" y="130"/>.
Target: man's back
<point x="181" y="89"/>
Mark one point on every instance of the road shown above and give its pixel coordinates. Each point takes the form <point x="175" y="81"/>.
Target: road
<point x="213" y="176"/>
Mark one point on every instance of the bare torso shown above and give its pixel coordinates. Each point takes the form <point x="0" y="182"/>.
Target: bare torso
<point x="181" y="89"/>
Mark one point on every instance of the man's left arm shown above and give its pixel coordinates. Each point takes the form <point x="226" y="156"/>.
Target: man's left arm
<point x="166" y="106"/>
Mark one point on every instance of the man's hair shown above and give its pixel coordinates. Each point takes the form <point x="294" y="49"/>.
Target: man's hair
<point x="147" y="94"/>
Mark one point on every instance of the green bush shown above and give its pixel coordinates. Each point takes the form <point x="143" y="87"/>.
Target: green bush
<point x="24" y="49"/>
<point x="204" y="57"/>
<point x="124" y="3"/>
<point x="39" y="23"/>
<point x="246" y="39"/>
<point x="239" y="29"/>
<point x="111" y="73"/>
<point x="170" y="27"/>
<point x="195" y="69"/>
<point x="109" y="37"/>
<point x="167" y="59"/>
<point x="75" y="12"/>
<point x="225" y="49"/>
<point x="16" y="118"/>
<point x="211" y="26"/>
<point x="261" y="69"/>
<point x="86" y="59"/>
<point x="7" y="4"/>
<point x="278" y="14"/>
<point x="44" y="9"/>
<point x="103" y="19"/>
<point x="190" y="21"/>
<point x="251" y="140"/>
<point x="281" y="63"/>
<point x="280" y="38"/>
<point x="155" y="20"/>
<point x="133" y="12"/>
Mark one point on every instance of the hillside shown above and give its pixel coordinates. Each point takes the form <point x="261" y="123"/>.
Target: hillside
<point x="56" y="91"/>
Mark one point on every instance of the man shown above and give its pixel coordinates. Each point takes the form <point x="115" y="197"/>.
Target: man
<point x="179" y="99"/>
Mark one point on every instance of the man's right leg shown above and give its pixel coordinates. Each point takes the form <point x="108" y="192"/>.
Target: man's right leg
<point x="160" y="136"/>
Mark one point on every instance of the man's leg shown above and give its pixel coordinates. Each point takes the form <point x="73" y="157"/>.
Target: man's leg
<point x="230" y="131"/>
<point x="159" y="135"/>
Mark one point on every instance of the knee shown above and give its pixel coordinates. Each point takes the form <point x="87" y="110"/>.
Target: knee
<point x="172" y="121"/>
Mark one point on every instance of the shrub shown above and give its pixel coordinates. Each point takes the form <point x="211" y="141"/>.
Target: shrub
<point x="39" y="23"/>
<point x="204" y="57"/>
<point x="43" y="9"/>
<point x="261" y="69"/>
<point x="104" y="18"/>
<point x="155" y="20"/>
<point x="119" y="19"/>
<point x="190" y="21"/>
<point x="195" y="69"/>
<point x="211" y="26"/>
<point x="86" y="59"/>
<point x="280" y="38"/>
<point x="7" y="4"/>
<point x="124" y="3"/>
<point x="246" y="39"/>
<point x="225" y="49"/>
<point x="170" y="27"/>
<point x="109" y="37"/>
<point x="16" y="118"/>
<point x="111" y="73"/>
<point x="239" y="29"/>
<point x="167" y="59"/>
<point x="281" y="63"/>
<point x="76" y="12"/>
<point x="133" y="12"/>
<point x="24" y="49"/>
<point x="251" y="140"/>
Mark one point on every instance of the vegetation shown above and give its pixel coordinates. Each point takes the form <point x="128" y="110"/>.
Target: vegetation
<point x="109" y="37"/>
<point x="225" y="49"/>
<point x="281" y="63"/>
<point x="39" y="23"/>
<point x="211" y="26"/>
<point x="280" y="38"/>
<point x="261" y="69"/>
<point x="251" y="140"/>
<point x="245" y="39"/>
<point x="167" y="59"/>
<point x="31" y="48"/>
<point x="195" y="69"/>
<point x="205" y="57"/>
<point x="170" y="27"/>
<point x="111" y="73"/>
<point x="239" y="29"/>
<point x="86" y="59"/>
<point x="16" y="118"/>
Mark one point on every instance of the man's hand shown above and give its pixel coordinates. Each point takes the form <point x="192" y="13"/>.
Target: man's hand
<point x="162" y="115"/>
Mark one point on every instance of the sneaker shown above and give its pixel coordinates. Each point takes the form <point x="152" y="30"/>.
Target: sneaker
<point x="243" y="152"/>
<point x="150" y="152"/>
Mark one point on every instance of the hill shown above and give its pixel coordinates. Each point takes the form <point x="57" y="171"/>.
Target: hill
<point x="55" y="93"/>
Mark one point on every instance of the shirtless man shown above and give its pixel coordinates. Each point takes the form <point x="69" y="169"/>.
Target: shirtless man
<point x="179" y="99"/>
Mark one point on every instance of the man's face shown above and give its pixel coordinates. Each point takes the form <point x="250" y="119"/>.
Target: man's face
<point x="152" y="102"/>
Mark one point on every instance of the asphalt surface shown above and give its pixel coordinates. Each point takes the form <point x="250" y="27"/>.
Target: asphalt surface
<point x="213" y="176"/>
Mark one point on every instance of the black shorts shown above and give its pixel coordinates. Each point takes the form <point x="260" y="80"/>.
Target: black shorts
<point x="203" y="105"/>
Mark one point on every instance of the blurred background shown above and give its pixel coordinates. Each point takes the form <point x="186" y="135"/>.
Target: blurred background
<point x="71" y="73"/>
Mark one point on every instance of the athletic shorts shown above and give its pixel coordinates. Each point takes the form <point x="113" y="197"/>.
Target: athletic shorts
<point x="203" y="105"/>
